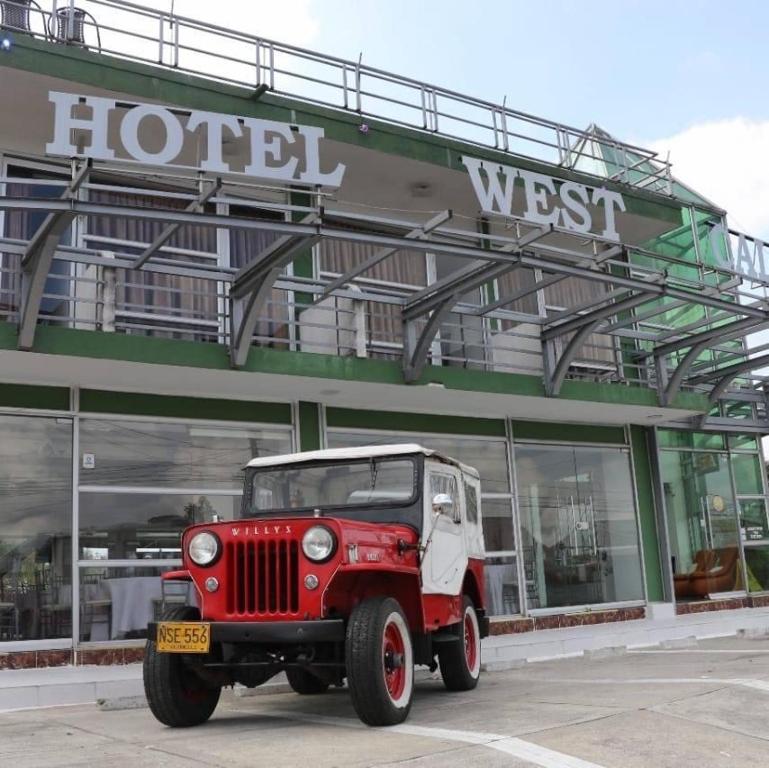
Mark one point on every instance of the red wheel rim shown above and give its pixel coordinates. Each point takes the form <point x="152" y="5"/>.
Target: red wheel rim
<point x="394" y="657"/>
<point x="471" y="642"/>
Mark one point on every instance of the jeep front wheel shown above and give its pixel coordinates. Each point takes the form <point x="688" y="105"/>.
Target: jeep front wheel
<point x="176" y="695"/>
<point x="460" y="659"/>
<point x="380" y="662"/>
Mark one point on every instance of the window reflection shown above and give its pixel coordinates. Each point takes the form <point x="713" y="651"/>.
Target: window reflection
<point x="140" y="453"/>
<point x="122" y="526"/>
<point x="35" y="525"/>
<point x="118" y="603"/>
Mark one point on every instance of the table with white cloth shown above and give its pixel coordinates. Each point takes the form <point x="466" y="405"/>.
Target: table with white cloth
<point x="133" y="602"/>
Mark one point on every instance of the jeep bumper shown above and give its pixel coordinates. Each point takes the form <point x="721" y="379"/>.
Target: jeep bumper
<point x="321" y="631"/>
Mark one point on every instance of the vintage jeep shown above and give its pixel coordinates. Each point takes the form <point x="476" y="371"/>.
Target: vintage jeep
<point x="348" y="563"/>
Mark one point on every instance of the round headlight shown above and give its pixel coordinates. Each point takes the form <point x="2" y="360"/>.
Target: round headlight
<point x="318" y="543"/>
<point x="203" y="548"/>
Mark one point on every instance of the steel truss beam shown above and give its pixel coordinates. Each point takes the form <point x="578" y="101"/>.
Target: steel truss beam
<point x="193" y="207"/>
<point x="471" y="276"/>
<point x="600" y="257"/>
<point x="37" y="259"/>
<point x="440" y="297"/>
<point x="698" y="344"/>
<point x="252" y="286"/>
<point x="417" y="233"/>
<point x="584" y="325"/>
<point x="726" y="375"/>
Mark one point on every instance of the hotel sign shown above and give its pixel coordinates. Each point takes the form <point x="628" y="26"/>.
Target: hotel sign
<point x="544" y="199"/>
<point x="276" y="151"/>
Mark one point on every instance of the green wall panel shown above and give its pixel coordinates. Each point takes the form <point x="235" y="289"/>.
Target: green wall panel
<point x="571" y="433"/>
<point x="26" y="396"/>
<point x="413" y="422"/>
<point x="309" y="426"/>
<point x="97" y="401"/>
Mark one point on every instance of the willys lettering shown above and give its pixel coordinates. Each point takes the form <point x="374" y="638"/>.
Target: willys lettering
<point x="262" y="530"/>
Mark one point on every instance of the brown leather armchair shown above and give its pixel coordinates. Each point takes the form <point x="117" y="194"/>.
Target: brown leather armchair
<point x="704" y="560"/>
<point x="720" y="577"/>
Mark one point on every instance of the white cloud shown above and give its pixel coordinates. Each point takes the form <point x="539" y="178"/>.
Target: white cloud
<point x="727" y="161"/>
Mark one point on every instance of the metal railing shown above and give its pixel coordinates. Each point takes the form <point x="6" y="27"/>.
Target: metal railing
<point x="152" y="36"/>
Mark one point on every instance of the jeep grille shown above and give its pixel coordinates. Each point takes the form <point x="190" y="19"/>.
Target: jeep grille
<point x="262" y="577"/>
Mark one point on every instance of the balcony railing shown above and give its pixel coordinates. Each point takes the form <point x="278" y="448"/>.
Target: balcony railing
<point x="240" y="58"/>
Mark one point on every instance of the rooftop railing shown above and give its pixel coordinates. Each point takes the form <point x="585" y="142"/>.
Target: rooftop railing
<point x="152" y="36"/>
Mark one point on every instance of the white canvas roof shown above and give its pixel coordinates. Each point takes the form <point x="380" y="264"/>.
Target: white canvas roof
<point x="362" y="452"/>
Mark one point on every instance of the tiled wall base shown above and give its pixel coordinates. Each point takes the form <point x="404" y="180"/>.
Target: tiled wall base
<point x="729" y="604"/>
<point x="62" y="658"/>
<point x="564" y="620"/>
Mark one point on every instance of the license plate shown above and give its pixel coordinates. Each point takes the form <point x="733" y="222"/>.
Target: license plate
<point x="183" y="637"/>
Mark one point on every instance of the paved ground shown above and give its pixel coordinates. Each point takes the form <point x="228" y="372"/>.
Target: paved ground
<point x="703" y="707"/>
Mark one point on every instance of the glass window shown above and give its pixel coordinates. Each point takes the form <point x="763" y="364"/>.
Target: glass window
<point x="747" y="473"/>
<point x="471" y="498"/>
<point x="580" y="535"/>
<point x="743" y="442"/>
<point x="757" y="562"/>
<point x="497" y="520"/>
<point x="379" y="482"/>
<point x="35" y="527"/>
<point x="753" y="520"/>
<point x="146" y="526"/>
<point x="501" y="574"/>
<point x="140" y="453"/>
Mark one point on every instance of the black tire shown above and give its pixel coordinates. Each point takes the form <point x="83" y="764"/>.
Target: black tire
<point x="304" y="682"/>
<point x="461" y="660"/>
<point x="175" y="694"/>
<point x="380" y="662"/>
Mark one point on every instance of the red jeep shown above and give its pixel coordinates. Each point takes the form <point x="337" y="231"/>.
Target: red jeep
<point x="350" y="563"/>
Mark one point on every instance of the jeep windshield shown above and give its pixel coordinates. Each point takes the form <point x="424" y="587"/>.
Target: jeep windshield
<point x="376" y="490"/>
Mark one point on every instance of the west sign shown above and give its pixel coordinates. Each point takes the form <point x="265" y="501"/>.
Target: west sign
<point x="543" y="199"/>
<point x="274" y="153"/>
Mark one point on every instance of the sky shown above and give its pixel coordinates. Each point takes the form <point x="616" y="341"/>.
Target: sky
<point x="686" y="77"/>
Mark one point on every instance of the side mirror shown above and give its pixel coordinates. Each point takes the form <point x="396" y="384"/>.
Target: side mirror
<point x="443" y="504"/>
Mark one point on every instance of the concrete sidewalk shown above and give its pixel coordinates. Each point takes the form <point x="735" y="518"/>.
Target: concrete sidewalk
<point x="60" y="686"/>
<point x="694" y="707"/>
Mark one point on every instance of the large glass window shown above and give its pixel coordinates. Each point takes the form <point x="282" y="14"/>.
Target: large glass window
<point x="579" y="526"/>
<point x="141" y="484"/>
<point x="489" y="457"/>
<point x="35" y="527"/>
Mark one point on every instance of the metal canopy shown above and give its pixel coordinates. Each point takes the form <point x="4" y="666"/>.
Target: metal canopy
<point x="207" y="191"/>
<point x="37" y="258"/>
<point x="614" y="313"/>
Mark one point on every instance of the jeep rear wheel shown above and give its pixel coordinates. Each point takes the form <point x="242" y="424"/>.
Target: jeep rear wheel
<point x="380" y="662"/>
<point x="176" y="695"/>
<point x="460" y="660"/>
<point x="304" y="682"/>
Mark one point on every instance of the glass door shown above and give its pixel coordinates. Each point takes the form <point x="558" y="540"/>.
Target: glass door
<point x="703" y="525"/>
<point x="579" y="525"/>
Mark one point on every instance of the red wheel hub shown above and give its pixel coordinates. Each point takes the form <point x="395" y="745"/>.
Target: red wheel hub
<point x="471" y="642"/>
<point x="393" y="655"/>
